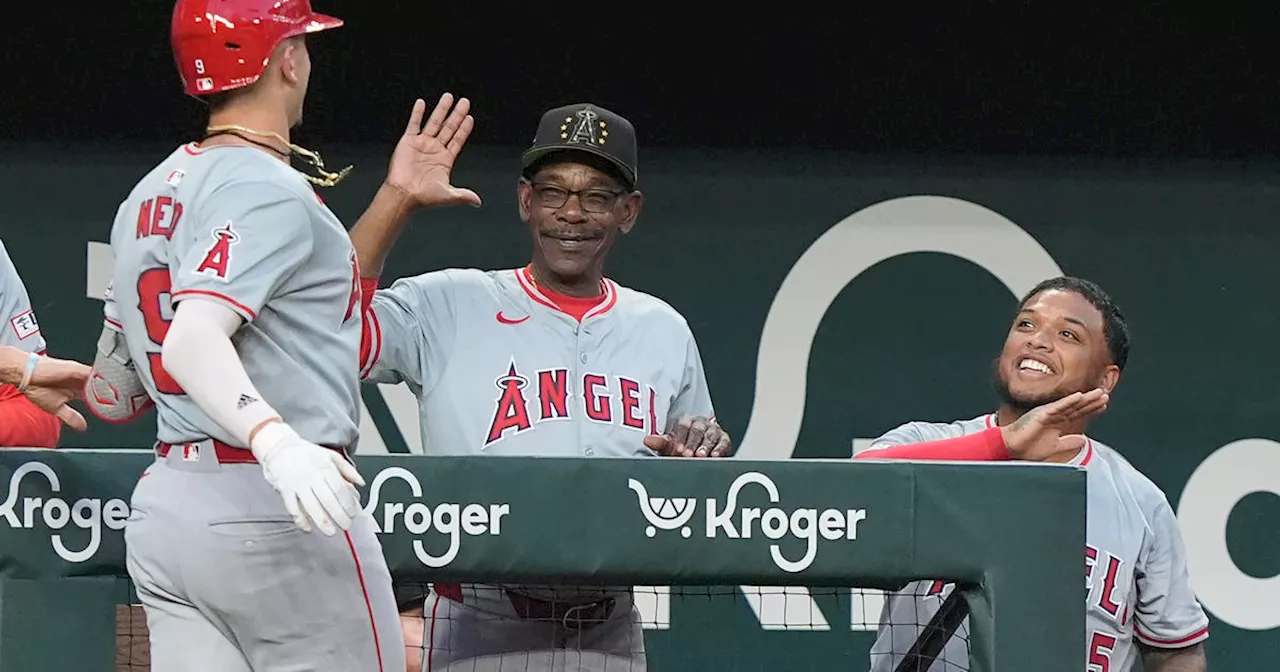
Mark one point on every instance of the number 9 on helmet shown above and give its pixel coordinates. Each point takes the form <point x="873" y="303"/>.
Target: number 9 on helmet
<point x="222" y="45"/>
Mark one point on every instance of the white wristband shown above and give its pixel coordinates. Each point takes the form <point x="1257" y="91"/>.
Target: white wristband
<point x="32" y="360"/>
<point x="271" y="435"/>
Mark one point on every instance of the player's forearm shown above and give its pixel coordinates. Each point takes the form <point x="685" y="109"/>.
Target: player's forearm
<point x="377" y="229"/>
<point x="984" y="446"/>
<point x="1189" y="659"/>
<point x="199" y="355"/>
<point x="13" y="363"/>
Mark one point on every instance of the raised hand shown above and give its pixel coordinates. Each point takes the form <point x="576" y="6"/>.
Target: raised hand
<point x="422" y="163"/>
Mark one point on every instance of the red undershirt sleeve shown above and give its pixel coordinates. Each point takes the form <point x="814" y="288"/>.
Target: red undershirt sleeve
<point x="25" y="425"/>
<point x="368" y="325"/>
<point x="986" y="446"/>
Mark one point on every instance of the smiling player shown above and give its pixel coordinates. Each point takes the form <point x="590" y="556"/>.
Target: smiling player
<point x="552" y="359"/>
<point x="1067" y="337"/>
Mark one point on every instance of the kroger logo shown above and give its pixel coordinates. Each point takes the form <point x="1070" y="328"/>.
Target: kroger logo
<point x="55" y="513"/>
<point x="743" y="522"/>
<point x="417" y="518"/>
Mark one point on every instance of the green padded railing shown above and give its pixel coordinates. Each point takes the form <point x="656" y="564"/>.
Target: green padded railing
<point x="1011" y="534"/>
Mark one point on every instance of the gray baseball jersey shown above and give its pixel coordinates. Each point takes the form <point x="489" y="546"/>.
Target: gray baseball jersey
<point x="227" y="578"/>
<point x="233" y="224"/>
<point x="500" y="369"/>
<point x="20" y="328"/>
<point x="1139" y="585"/>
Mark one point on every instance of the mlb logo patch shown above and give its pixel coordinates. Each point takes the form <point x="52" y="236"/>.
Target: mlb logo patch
<point x="204" y="83"/>
<point x="25" y="325"/>
<point x="191" y="452"/>
<point x="175" y="178"/>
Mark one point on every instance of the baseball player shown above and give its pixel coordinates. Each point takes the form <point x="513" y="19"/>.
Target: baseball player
<point x="1067" y="337"/>
<point x="23" y="423"/>
<point x="235" y="306"/>
<point x="551" y="359"/>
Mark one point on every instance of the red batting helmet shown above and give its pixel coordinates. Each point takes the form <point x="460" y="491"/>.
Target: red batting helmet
<point x="225" y="44"/>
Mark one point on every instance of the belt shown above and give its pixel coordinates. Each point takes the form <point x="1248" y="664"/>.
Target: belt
<point x="226" y="454"/>
<point x="572" y="615"/>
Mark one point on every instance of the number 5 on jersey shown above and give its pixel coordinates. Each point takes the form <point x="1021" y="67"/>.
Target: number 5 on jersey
<point x="1100" y="647"/>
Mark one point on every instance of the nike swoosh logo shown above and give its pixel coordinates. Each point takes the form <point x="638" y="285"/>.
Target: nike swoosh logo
<point x="507" y="320"/>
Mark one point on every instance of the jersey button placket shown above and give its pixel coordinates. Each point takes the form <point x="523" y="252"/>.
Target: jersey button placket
<point x="581" y="334"/>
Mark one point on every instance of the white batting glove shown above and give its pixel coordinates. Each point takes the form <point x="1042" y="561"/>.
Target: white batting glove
<point x="315" y="482"/>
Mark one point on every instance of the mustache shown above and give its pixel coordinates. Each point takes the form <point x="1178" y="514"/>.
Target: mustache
<point x="572" y="233"/>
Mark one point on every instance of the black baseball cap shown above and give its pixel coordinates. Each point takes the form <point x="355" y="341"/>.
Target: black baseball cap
<point x="584" y="127"/>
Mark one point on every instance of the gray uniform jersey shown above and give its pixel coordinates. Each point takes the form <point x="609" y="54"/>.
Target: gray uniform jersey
<point x="235" y="225"/>
<point x="1139" y="586"/>
<point x="500" y="369"/>
<point x="20" y="328"/>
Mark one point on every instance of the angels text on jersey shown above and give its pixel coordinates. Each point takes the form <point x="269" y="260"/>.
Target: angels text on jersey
<point x="526" y="401"/>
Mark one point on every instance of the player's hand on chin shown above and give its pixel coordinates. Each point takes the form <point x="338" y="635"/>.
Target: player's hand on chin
<point x="1038" y="434"/>
<point x="422" y="163"/>
<point x="692" y="436"/>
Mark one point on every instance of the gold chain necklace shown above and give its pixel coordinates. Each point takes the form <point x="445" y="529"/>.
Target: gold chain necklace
<point x="326" y="178"/>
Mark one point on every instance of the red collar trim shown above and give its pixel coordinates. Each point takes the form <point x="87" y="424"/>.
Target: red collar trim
<point x="525" y="277"/>
<point x="1085" y="456"/>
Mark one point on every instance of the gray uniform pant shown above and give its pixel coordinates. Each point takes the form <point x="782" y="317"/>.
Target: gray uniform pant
<point x="230" y="584"/>
<point x="484" y="632"/>
<point x="545" y="661"/>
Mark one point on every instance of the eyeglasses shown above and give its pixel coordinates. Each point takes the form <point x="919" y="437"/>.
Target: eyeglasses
<point x="554" y="196"/>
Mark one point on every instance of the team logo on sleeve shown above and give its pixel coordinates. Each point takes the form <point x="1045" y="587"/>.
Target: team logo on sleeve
<point x="25" y="325"/>
<point x="217" y="259"/>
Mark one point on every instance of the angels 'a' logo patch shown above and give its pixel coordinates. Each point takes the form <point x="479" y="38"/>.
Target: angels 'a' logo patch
<point x="217" y="259"/>
<point x="25" y="325"/>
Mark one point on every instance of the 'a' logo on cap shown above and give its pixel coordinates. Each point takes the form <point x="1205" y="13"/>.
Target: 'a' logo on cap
<point x="587" y="129"/>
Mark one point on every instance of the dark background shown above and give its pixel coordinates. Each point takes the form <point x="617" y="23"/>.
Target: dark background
<point x="1155" y="79"/>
